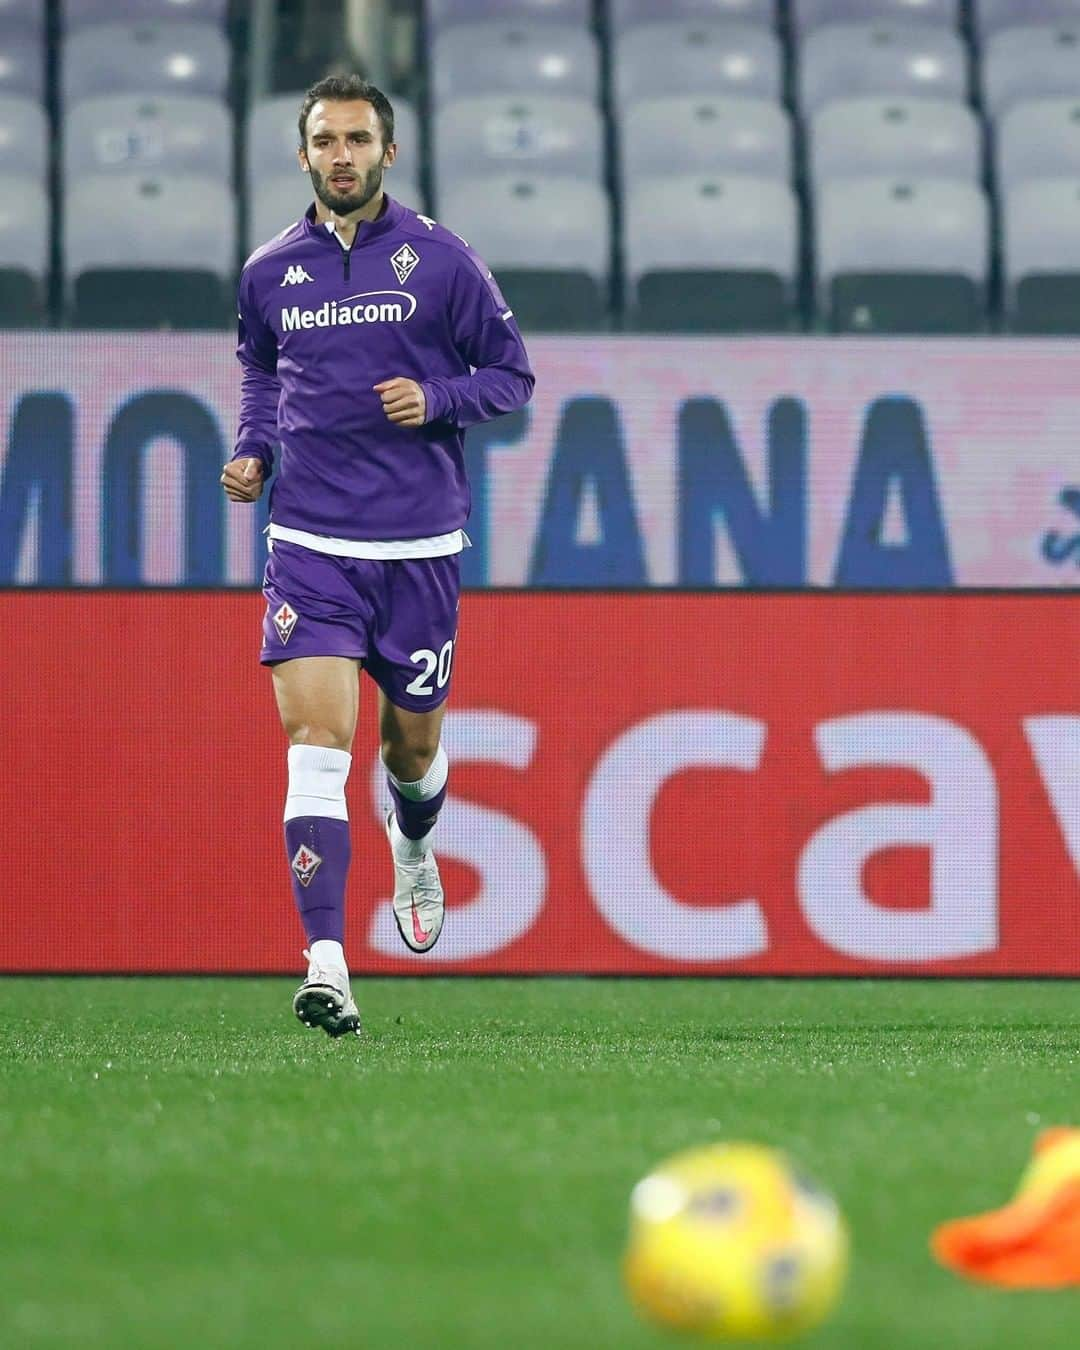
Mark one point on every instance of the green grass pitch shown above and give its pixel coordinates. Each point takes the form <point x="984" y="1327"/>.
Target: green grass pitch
<point x="183" y="1165"/>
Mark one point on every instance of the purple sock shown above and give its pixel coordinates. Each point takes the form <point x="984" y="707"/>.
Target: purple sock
<point x="416" y="818"/>
<point x="318" y="849"/>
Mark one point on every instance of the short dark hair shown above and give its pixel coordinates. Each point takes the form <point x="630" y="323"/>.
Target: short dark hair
<point x="347" y="89"/>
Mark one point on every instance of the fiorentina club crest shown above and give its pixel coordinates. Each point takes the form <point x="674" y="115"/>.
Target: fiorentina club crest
<point x="305" y="863"/>
<point x="404" y="260"/>
<point x="285" y="621"/>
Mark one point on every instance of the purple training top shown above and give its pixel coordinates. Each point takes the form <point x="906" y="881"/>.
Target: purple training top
<point x="319" y="327"/>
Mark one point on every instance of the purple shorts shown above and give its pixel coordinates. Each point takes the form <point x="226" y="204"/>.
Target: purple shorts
<point x="399" y="618"/>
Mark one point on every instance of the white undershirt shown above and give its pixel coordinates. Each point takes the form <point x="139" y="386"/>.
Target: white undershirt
<point x="434" y="546"/>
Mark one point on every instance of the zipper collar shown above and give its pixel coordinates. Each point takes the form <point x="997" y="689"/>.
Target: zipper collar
<point x="366" y="231"/>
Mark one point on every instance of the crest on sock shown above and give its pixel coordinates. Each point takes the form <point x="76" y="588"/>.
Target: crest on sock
<point x="305" y="863"/>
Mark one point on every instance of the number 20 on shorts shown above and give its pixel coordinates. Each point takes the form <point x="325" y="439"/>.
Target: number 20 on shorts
<point x="434" y="664"/>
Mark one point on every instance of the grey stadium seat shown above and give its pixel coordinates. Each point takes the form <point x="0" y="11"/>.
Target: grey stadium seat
<point x="548" y="241"/>
<point x="925" y="137"/>
<point x="145" y="133"/>
<point x="514" y="58"/>
<point x="277" y="201"/>
<point x="902" y="255"/>
<point x="24" y="137"/>
<point x="22" y="62"/>
<point x="24" y="249"/>
<point x="443" y="12"/>
<point x="272" y="137"/>
<point x="508" y="133"/>
<point x="696" y="133"/>
<point x="704" y="58"/>
<point x="808" y="14"/>
<point x="158" y="58"/>
<point x="1040" y="139"/>
<point x="625" y="13"/>
<point x="77" y="12"/>
<point x="150" y="251"/>
<point x="25" y="14"/>
<point x="1041" y="254"/>
<point x="990" y="16"/>
<point x="722" y="255"/>
<point x="1023" y="63"/>
<point x="849" y="60"/>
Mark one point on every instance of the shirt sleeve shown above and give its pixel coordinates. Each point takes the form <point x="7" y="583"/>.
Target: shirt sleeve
<point x="256" y="350"/>
<point x="486" y="336"/>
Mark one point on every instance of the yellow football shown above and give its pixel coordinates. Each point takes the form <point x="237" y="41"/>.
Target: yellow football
<point x="733" y="1242"/>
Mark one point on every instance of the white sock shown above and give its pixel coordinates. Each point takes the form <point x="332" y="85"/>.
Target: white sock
<point x="326" y="952"/>
<point x="317" y="777"/>
<point x="422" y="790"/>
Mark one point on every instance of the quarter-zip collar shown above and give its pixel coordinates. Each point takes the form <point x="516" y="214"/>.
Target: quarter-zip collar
<point x="367" y="231"/>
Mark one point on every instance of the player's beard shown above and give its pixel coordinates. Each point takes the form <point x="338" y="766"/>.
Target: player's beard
<point x="342" y="203"/>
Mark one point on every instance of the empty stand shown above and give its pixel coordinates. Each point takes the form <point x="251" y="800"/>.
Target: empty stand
<point x="851" y="138"/>
<point x="77" y="12"/>
<point x="548" y="241"/>
<point x="500" y="134"/>
<point x="144" y="133"/>
<point x="698" y="133"/>
<point x="144" y="251"/>
<point x="1040" y="139"/>
<point x="177" y="58"/>
<point x="626" y="13"/>
<point x="22" y="62"/>
<point x="24" y="249"/>
<point x="990" y="16"/>
<point x="24" y="137"/>
<point x="849" y="60"/>
<point x="443" y="12"/>
<point x="703" y="58"/>
<point x="902" y="255"/>
<point x="509" y="58"/>
<point x="1041" y="254"/>
<point x="1030" y="62"/>
<point x="711" y="254"/>
<point x="808" y="14"/>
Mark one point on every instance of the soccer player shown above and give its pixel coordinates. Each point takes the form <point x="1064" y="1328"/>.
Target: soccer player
<point x="370" y="338"/>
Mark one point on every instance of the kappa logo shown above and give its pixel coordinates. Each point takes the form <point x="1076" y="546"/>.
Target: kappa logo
<point x="404" y="260"/>
<point x="305" y="863"/>
<point x="285" y="621"/>
<point x="294" y="275"/>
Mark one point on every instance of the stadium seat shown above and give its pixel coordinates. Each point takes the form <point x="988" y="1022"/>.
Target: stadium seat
<point x="513" y="58"/>
<point x="25" y="14"/>
<point x="706" y="58"/>
<point x="24" y="137"/>
<point x="698" y="134"/>
<point x="440" y="13"/>
<point x="1041" y="255"/>
<point x="548" y="241"/>
<point x="924" y="137"/>
<point x="22" y="62"/>
<point x="158" y="58"/>
<point x="276" y="201"/>
<point x="990" y="16"/>
<point x="902" y="255"/>
<point x="273" y="135"/>
<point x="1025" y="63"/>
<point x="143" y="133"/>
<point x="625" y="13"/>
<point x="78" y="12"/>
<point x="501" y="134"/>
<point x="1040" y="139"/>
<point x="24" y="249"/>
<point x="150" y="251"/>
<point x="810" y="14"/>
<point x="720" y="257"/>
<point x="849" y="60"/>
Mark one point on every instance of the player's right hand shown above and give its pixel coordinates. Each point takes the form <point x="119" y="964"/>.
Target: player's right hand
<point x="242" y="479"/>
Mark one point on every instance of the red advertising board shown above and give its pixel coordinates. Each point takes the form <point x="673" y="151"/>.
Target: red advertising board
<point x="641" y="783"/>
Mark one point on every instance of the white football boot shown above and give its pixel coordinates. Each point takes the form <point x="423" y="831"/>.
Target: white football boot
<point x="325" y="1000"/>
<point x="419" y="903"/>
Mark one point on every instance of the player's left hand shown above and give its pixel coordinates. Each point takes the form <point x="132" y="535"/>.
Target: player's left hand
<point x="403" y="401"/>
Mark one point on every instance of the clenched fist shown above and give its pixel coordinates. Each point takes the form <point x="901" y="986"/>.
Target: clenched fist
<point x="243" y="479"/>
<point x="403" y="401"/>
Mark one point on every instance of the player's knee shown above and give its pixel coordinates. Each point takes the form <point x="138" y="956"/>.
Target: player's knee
<point x="409" y="757"/>
<point x="311" y="733"/>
